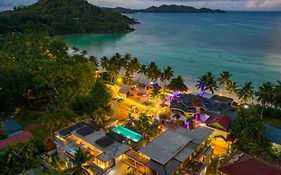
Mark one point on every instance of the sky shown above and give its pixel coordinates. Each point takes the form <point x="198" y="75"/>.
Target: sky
<point x="262" y="5"/>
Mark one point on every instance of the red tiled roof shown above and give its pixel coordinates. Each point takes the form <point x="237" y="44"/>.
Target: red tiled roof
<point x="247" y="165"/>
<point x="15" y="139"/>
<point x="223" y="121"/>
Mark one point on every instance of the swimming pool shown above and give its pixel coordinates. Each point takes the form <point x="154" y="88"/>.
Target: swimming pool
<point x="129" y="134"/>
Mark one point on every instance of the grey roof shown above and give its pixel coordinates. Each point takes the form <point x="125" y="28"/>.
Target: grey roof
<point x="168" y="169"/>
<point x="125" y="88"/>
<point x="198" y="134"/>
<point x="166" y="146"/>
<point x="110" y="152"/>
<point x="222" y="99"/>
<point x="186" y="152"/>
<point x="177" y="144"/>
<point x="273" y="133"/>
<point x="230" y="114"/>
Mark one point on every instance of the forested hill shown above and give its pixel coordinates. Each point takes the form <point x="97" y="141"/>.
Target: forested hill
<point x="59" y="17"/>
<point x="168" y="9"/>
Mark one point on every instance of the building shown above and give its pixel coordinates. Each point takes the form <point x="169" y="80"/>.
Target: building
<point x="273" y="134"/>
<point x="12" y="132"/>
<point x="124" y="90"/>
<point x="179" y="151"/>
<point x="244" y="164"/>
<point x="222" y="122"/>
<point x="10" y="128"/>
<point x="213" y="106"/>
<point x="106" y="148"/>
<point x="25" y="135"/>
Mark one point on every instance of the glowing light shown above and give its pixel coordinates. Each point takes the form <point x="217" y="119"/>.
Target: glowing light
<point x="119" y="80"/>
<point x="246" y="106"/>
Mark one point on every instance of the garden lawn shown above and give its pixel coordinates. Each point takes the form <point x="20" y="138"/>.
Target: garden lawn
<point x="30" y="120"/>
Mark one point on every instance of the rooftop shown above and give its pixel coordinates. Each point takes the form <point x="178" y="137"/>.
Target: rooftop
<point x="15" y="139"/>
<point x="222" y="122"/>
<point x="125" y="88"/>
<point x="244" y="164"/>
<point x="10" y="126"/>
<point x="222" y="99"/>
<point x="273" y="133"/>
<point x="109" y="146"/>
<point x="184" y="142"/>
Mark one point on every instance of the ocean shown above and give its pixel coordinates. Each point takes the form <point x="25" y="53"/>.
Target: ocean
<point x="248" y="44"/>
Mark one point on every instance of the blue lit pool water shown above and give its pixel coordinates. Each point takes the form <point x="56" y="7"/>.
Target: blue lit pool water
<point x="129" y="134"/>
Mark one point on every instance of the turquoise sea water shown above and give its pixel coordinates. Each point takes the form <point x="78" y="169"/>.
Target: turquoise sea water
<point x="246" y="43"/>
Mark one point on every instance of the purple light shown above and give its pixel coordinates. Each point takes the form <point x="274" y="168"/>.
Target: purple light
<point x="176" y="93"/>
<point x="203" y="118"/>
<point x="186" y="124"/>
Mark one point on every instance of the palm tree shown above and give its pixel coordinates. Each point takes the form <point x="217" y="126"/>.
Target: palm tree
<point x="80" y="160"/>
<point x="142" y="71"/>
<point x="224" y="79"/>
<point x="246" y="92"/>
<point x="207" y="82"/>
<point x="177" y="83"/>
<point x="167" y="75"/>
<point x="277" y="95"/>
<point x="264" y="95"/>
<point x="94" y="60"/>
<point x="132" y="67"/>
<point x="101" y="115"/>
<point x="51" y="119"/>
<point x="231" y="87"/>
<point x="152" y="71"/>
<point x="104" y="62"/>
<point x="211" y="82"/>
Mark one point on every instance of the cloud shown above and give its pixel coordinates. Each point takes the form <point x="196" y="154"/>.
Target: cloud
<point x="251" y="4"/>
<point x="263" y="4"/>
<point x="8" y="4"/>
<point x="222" y="4"/>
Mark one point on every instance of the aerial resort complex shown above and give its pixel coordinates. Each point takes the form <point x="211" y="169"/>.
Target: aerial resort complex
<point x="89" y="89"/>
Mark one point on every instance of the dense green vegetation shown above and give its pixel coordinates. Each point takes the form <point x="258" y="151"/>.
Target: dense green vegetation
<point x="168" y="9"/>
<point x="249" y="129"/>
<point x="60" y="17"/>
<point x="18" y="158"/>
<point x="38" y="73"/>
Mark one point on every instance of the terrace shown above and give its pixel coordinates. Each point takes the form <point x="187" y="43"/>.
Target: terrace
<point x="159" y="156"/>
<point x="104" y="148"/>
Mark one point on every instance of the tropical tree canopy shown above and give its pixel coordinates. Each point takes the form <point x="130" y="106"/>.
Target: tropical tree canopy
<point x="249" y="129"/>
<point x="277" y="95"/>
<point x="80" y="163"/>
<point x="177" y="83"/>
<point x="207" y="82"/>
<point x="18" y="158"/>
<point x="265" y="93"/>
<point x="224" y="78"/>
<point x="38" y="68"/>
<point x="96" y="104"/>
<point x="246" y="92"/>
<point x="152" y="71"/>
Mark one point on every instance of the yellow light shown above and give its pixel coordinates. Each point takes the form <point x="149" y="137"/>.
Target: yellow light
<point x="119" y="80"/>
